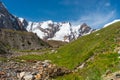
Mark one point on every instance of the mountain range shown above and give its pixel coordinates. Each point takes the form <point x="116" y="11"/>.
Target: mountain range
<point x="46" y="30"/>
<point x="26" y="52"/>
<point x="61" y="31"/>
<point x="14" y="36"/>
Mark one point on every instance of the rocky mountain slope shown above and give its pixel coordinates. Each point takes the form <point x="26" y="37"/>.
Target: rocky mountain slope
<point x="46" y="30"/>
<point x="8" y="21"/>
<point x="39" y="70"/>
<point x="13" y="34"/>
<point x="20" y="40"/>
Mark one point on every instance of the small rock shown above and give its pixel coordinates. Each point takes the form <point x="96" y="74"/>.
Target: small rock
<point x="2" y="73"/>
<point x="20" y="75"/>
<point x="119" y="52"/>
<point x="97" y="34"/>
<point x="118" y="75"/>
<point x="28" y="77"/>
<point x="47" y="61"/>
<point x="53" y="51"/>
<point x="108" y="72"/>
<point x="38" y="76"/>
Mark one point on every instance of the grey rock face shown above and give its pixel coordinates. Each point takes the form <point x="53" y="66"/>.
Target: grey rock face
<point x="84" y="28"/>
<point x="20" y="40"/>
<point x="8" y="21"/>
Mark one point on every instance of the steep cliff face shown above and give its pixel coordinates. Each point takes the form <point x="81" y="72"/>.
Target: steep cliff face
<point x="18" y="40"/>
<point x="8" y="21"/>
<point x="13" y="34"/>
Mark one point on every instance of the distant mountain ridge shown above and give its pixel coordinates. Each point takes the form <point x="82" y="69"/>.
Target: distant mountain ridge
<point x="46" y="30"/>
<point x="61" y="31"/>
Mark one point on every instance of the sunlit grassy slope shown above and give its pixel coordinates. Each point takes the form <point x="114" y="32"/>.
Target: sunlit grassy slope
<point x="100" y="44"/>
<point x="74" y="53"/>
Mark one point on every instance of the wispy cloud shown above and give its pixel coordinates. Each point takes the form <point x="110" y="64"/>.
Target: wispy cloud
<point x="107" y="4"/>
<point x="95" y="13"/>
<point x="96" y="19"/>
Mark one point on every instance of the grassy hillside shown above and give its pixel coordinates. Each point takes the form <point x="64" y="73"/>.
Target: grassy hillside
<point x="56" y="44"/>
<point x="101" y="45"/>
<point x="3" y="48"/>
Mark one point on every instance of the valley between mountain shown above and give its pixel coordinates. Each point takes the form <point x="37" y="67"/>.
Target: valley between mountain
<point x="51" y="50"/>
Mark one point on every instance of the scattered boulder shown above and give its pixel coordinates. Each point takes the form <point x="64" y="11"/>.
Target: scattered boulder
<point x="119" y="52"/>
<point x="111" y="76"/>
<point x="28" y="76"/>
<point x="39" y="70"/>
<point x="117" y="75"/>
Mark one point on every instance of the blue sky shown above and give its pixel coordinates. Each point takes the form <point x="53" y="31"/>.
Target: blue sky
<point x="95" y="13"/>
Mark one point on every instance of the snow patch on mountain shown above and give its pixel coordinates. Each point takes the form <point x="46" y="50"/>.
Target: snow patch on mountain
<point x="21" y="19"/>
<point x="117" y="20"/>
<point x="65" y="30"/>
<point x="62" y="31"/>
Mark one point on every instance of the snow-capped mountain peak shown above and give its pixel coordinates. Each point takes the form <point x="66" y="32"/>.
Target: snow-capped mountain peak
<point x="46" y="30"/>
<point x="21" y="19"/>
<point x="62" y="31"/>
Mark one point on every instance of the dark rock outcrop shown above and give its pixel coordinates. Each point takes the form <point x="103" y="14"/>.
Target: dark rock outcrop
<point x="84" y="28"/>
<point x="8" y="21"/>
<point x="21" y="40"/>
<point x="13" y="34"/>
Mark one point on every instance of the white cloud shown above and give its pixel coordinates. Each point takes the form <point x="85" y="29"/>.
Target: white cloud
<point x="107" y="4"/>
<point x="96" y="19"/>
